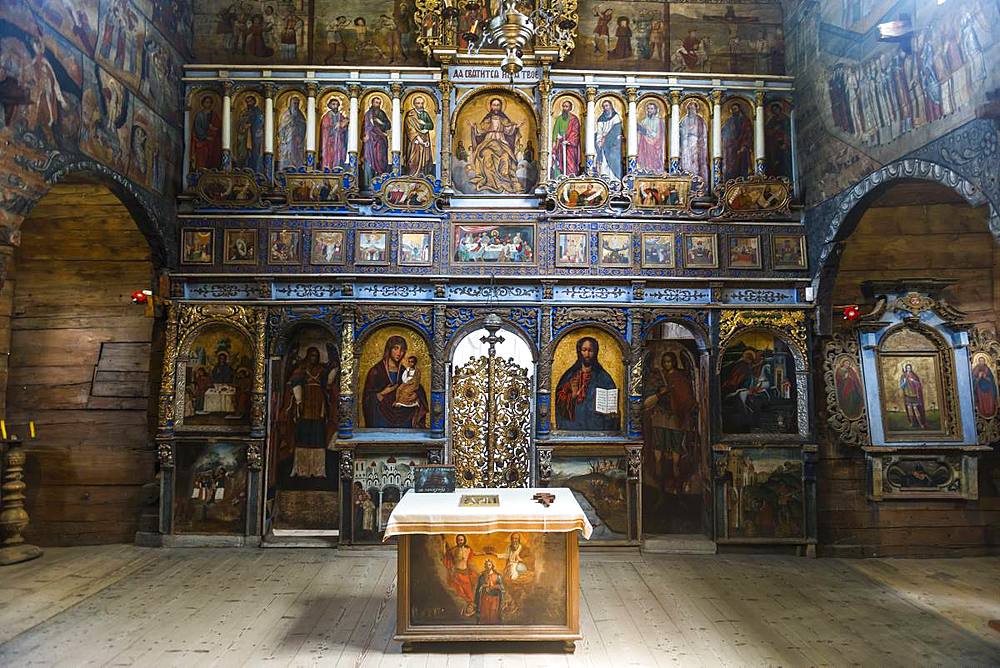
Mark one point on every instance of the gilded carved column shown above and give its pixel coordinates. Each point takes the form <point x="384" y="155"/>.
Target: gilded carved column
<point x="544" y="89"/>
<point x="227" y="124"/>
<point x="758" y="134"/>
<point x="165" y="426"/>
<point x="445" y="86"/>
<point x="716" y="139"/>
<point x="438" y="366"/>
<point x="637" y="327"/>
<point x="269" y="131"/>
<point x="543" y="398"/>
<point x="345" y="429"/>
<point x="259" y="397"/>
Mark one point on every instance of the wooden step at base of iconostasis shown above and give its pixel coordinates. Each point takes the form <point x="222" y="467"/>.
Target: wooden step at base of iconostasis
<point x="678" y="544"/>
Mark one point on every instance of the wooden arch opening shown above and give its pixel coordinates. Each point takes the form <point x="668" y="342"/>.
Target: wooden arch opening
<point x="80" y="368"/>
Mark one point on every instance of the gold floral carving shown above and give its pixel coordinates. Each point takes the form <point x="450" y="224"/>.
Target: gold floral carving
<point x="613" y="317"/>
<point x="347" y="357"/>
<point x="790" y="324"/>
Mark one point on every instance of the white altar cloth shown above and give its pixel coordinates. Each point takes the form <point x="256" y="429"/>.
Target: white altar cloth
<point x="440" y="513"/>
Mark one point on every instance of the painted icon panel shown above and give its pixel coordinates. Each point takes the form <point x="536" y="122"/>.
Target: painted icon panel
<point x="764" y="493"/>
<point x="210" y="488"/>
<point x="600" y="485"/>
<point x="588" y="374"/>
<point x="395" y="368"/>
<point x="218" y="378"/>
<point x="495" y="145"/>
<point x="757" y="385"/>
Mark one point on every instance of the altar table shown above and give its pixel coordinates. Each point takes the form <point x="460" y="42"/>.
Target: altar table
<point x="488" y="572"/>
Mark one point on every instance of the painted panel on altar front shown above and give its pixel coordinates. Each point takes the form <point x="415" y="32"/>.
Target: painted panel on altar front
<point x="303" y="470"/>
<point x="218" y="378"/>
<point x="588" y="379"/>
<point x="488" y="579"/>
<point x="764" y="493"/>
<point x="600" y="485"/>
<point x="673" y="469"/>
<point x="378" y="485"/>
<point x="271" y="33"/>
<point x="210" y="488"/>
<point x="395" y="374"/>
<point x="365" y="32"/>
<point x="744" y="37"/>
<point x="495" y="145"/>
<point x="420" y="134"/>
<point x="757" y="384"/>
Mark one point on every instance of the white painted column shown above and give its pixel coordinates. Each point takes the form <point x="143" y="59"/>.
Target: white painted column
<point x="590" y="149"/>
<point x="716" y="138"/>
<point x="758" y="135"/>
<point x="352" y="121"/>
<point x="227" y="117"/>
<point x="397" y="126"/>
<point x="269" y="131"/>
<point x="311" y="125"/>
<point x="675" y="131"/>
<point x="632" y="127"/>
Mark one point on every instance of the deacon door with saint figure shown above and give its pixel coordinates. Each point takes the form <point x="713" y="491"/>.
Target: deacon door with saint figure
<point x="492" y="382"/>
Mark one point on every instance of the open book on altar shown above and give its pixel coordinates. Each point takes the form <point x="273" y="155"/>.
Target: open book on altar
<point x="607" y="401"/>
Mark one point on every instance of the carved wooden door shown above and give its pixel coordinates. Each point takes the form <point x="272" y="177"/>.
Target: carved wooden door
<point x="491" y="423"/>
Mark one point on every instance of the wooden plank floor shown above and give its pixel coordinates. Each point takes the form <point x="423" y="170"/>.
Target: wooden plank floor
<point x="122" y="605"/>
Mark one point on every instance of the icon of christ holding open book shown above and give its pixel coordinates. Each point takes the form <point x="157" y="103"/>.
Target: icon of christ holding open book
<point x="586" y="396"/>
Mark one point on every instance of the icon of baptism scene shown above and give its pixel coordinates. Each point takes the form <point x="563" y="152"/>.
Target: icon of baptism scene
<point x="479" y="332"/>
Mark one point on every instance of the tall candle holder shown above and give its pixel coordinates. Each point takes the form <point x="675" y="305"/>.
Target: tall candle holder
<point x="13" y="516"/>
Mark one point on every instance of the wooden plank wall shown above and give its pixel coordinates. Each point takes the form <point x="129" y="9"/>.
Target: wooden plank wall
<point x="938" y="240"/>
<point x="79" y="366"/>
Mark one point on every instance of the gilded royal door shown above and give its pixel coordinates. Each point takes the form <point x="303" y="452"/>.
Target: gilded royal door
<point x="491" y="423"/>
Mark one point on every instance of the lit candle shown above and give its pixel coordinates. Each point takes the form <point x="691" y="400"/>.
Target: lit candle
<point x="31" y="428"/>
<point x="3" y="429"/>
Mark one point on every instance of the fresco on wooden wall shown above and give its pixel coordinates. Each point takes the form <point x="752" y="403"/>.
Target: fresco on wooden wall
<point x="366" y="32"/>
<point x="210" y="488"/>
<point x="673" y="469"/>
<point x="218" y="378"/>
<point x="303" y="469"/>
<point x="757" y="383"/>
<point x="495" y="578"/>
<point x="396" y="370"/>
<point x="600" y="485"/>
<point x="588" y="375"/>
<point x="84" y="79"/>
<point x="737" y="37"/>
<point x="495" y="145"/>
<point x="241" y="32"/>
<point x="764" y="493"/>
<point x="863" y="102"/>
<point x="379" y="483"/>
